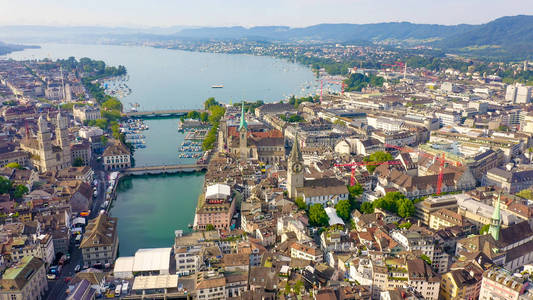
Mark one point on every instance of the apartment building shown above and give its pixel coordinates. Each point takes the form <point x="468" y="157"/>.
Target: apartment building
<point x="26" y="280"/>
<point x="99" y="245"/>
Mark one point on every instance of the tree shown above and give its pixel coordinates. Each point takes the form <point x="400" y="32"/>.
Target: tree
<point x="112" y="104"/>
<point x="297" y="288"/>
<point x="78" y="162"/>
<point x="102" y="123"/>
<point x="406" y="208"/>
<point x="20" y="190"/>
<point x="526" y="194"/>
<point x="353" y="195"/>
<point x="379" y="156"/>
<point x="344" y="209"/>
<point x="14" y="165"/>
<point x="193" y="115"/>
<point x="367" y="208"/>
<point x="300" y="203"/>
<point x="484" y="229"/>
<point x="204" y="116"/>
<point x="396" y="202"/>
<point x="209" y="227"/>
<point x="5" y="185"/>
<point x="317" y="215"/>
<point x="210" y="102"/>
<point x="426" y="259"/>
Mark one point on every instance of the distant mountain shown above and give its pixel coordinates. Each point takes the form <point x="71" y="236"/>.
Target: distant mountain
<point x="330" y="32"/>
<point x="506" y="36"/>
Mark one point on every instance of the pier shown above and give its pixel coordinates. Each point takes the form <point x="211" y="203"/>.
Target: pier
<point x="164" y="169"/>
<point x="160" y="113"/>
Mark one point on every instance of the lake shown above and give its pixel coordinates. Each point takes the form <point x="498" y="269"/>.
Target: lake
<point x="150" y="208"/>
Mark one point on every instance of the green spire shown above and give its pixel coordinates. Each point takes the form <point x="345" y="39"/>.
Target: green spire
<point x="494" y="229"/>
<point x="296" y="154"/>
<point x="243" y="123"/>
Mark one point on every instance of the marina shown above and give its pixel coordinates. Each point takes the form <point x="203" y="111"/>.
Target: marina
<point x="132" y="129"/>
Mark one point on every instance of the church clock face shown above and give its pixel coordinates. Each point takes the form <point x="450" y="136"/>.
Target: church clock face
<point x="297" y="167"/>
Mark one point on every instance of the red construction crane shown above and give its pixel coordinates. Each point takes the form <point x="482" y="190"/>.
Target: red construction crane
<point x="442" y="160"/>
<point x="353" y="165"/>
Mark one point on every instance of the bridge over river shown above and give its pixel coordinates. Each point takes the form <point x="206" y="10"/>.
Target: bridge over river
<point x="160" y="113"/>
<point x="164" y="169"/>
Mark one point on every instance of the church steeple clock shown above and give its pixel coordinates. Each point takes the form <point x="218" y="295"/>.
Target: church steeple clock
<point x="243" y="136"/>
<point x="295" y="170"/>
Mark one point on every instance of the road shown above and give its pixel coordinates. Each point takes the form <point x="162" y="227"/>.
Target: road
<point x="57" y="288"/>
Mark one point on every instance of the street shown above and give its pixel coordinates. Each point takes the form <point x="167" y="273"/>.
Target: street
<point x="57" y="289"/>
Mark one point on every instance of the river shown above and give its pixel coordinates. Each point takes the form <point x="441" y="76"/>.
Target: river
<point x="150" y="208"/>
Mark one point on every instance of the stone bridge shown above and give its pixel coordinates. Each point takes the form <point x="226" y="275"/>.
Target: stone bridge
<point x="164" y="169"/>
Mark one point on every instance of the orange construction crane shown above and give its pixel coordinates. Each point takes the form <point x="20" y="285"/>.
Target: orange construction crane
<point x="442" y="160"/>
<point x="353" y="165"/>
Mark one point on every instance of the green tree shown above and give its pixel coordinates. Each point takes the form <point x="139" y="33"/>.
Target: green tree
<point x="367" y="208"/>
<point x="14" y="165"/>
<point x="300" y="203"/>
<point x="103" y="140"/>
<point x="204" y="116"/>
<point x="484" y="229"/>
<point x="406" y="208"/>
<point x="405" y="225"/>
<point x="344" y="209"/>
<point x="354" y="192"/>
<point x="78" y="162"/>
<point x="209" y="227"/>
<point x="193" y="115"/>
<point x="20" y="190"/>
<point x="426" y="259"/>
<point x="287" y="289"/>
<point x="210" y="102"/>
<point x="526" y="194"/>
<point x="102" y="123"/>
<point x="297" y="288"/>
<point x="396" y="202"/>
<point x="317" y="215"/>
<point x="112" y="104"/>
<point x="379" y="156"/>
<point x="5" y="185"/>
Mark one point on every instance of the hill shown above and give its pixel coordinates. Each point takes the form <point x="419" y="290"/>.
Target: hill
<point x="503" y="37"/>
<point x="330" y="32"/>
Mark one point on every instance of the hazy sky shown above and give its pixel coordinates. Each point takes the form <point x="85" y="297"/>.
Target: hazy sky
<point x="295" y="13"/>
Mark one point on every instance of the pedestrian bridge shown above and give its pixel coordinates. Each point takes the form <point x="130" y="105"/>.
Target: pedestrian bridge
<point x="164" y="169"/>
<point x="160" y="113"/>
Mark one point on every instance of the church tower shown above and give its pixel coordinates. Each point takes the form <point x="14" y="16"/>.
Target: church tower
<point x="44" y="138"/>
<point x="243" y="136"/>
<point x="295" y="175"/>
<point x="63" y="141"/>
<point x="495" y="222"/>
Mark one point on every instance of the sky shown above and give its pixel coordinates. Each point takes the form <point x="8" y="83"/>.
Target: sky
<point x="294" y="13"/>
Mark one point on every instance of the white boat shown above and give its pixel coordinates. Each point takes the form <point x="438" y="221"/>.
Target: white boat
<point x="217" y="86"/>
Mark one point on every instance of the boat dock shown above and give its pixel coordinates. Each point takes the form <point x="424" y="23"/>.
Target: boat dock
<point x="196" y="134"/>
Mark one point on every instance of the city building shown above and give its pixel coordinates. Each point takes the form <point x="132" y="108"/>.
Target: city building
<point x="25" y="280"/>
<point x="86" y="113"/>
<point x="500" y="284"/>
<point x="116" y="156"/>
<point x="99" y="245"/>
